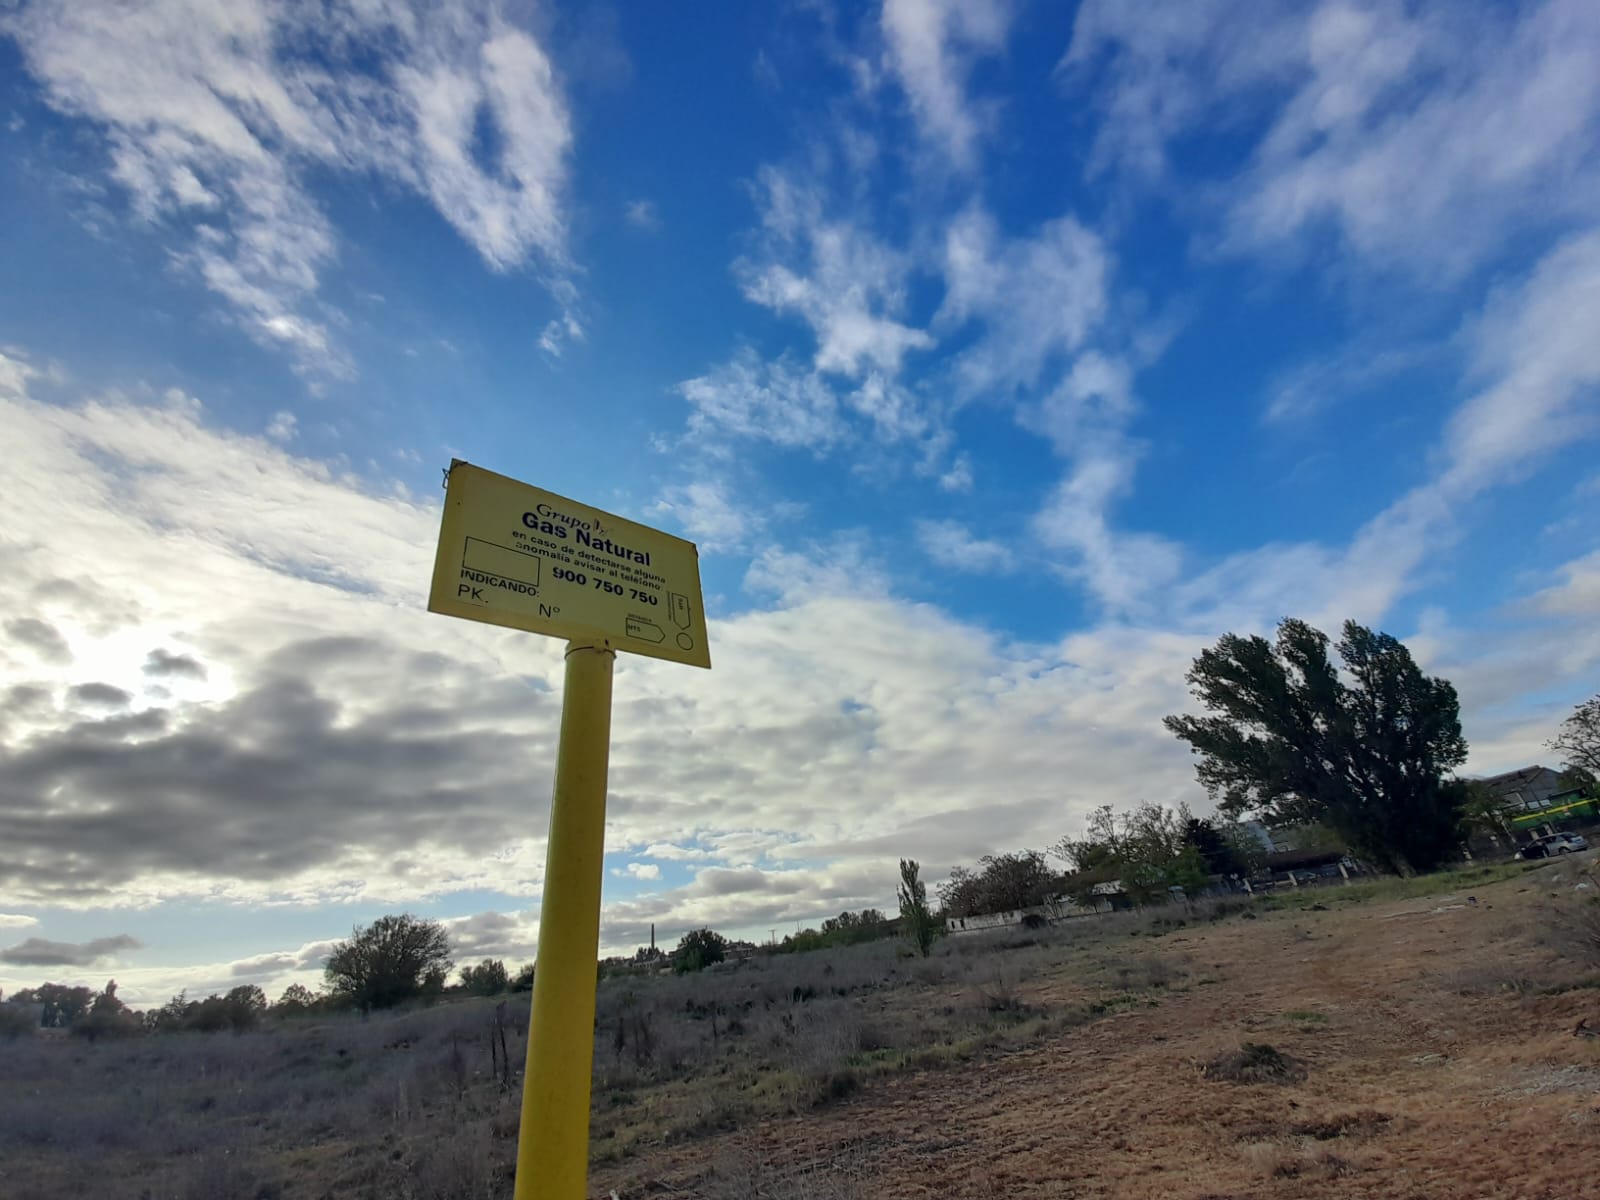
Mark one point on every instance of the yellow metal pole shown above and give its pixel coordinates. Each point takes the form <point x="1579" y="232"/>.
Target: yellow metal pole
<point x="553" y="1141"/>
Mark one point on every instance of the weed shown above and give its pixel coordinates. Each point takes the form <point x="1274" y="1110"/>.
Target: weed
<point x="1293" y="1160"/>
<point x="1571" y="929"/>
<point x="748" y="1172"/>
<point x="1355" y="1124"/>
<point x="997" y="994"/>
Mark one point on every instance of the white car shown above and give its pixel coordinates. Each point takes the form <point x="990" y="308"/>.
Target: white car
<point x="1552" y="844"/>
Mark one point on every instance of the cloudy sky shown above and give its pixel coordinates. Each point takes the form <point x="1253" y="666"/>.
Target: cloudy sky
<point x="997" y="356"/>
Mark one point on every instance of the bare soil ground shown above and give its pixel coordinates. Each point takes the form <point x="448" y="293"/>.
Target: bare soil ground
<point x="1411" y="1039"/>
<point x="1439" y="1054"/>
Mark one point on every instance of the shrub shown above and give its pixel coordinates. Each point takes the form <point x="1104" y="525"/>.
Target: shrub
<point x="16" y="1021"/>
<point x="997" y="994"/>
<point x="1572" y="930"/>
<point x="1254" y="1062"/>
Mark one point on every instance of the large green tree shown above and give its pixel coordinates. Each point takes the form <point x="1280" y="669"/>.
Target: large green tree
<point x="1365" y="751"/>
<point x="698" y="949"/>
<point x="393" y="959"/>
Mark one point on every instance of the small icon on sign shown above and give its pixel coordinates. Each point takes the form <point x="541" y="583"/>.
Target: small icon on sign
<point x="678" y="610"/>
<point x="645" y="630"/>
<point x="685" y="642"/>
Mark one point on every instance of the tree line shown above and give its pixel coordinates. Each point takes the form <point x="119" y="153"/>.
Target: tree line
<point x="395" y="960"/>
<point x="1357" y="756"/>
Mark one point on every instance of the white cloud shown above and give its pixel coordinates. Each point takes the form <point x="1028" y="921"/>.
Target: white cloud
<point x="216" y="116"/>
<point x="1299" y="394"/>
<point x="842" y="281"/>
<point x="841" y="567"/>
<point x="671" y="852"/>
<point x="1040" y="301"/>
<point x="17" y="921"/>
<point x="643" y="215"/>
<point x="553" y="338"/>
<point x="959" y="477"/>
<point x="898" y="414"/>
<point x="1086" y="411"/>
<point x="1119" y="569"/>
<point x="1160" y="68"/>
<point x="1037" y="298"/>
<point x="1536" y="343"/>
<point x="15" y="372"/>
<point x="771" y="401"/>
<point x="510" y="936"/>
<point x="473" y="65"/>
<point x="952" y="544"/>
<point x="777" y="401"/>
<point x="1578" y="593"/>
<point x="710" y="515"/>
<point x="1431" y="179"/>
<point x="283" y="427"/>
<point x="1537" y="367"/>
<point x="931" y="46"/>
<point x="639" y="870"/>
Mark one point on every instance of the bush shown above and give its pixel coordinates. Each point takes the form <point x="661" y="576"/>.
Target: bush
<point x="16" y="1021"/>
<point x="1572" y="930"/>
<point x="1254" y="1062"/>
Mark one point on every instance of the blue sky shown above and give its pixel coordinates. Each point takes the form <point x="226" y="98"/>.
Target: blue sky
<point x="998" y="357"/>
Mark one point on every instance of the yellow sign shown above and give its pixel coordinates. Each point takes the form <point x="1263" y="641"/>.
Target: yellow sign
<point x="512" y="554"/>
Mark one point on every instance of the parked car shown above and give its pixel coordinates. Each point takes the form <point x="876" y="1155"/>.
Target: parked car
<point x="1553" y="844"/>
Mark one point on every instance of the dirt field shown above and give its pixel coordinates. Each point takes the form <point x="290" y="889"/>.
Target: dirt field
<point x="1437" y="1062"/>
<point x="1406" y="1040"/>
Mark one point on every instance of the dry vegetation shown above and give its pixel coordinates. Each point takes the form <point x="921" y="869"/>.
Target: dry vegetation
<point x="1391" y="1040"/>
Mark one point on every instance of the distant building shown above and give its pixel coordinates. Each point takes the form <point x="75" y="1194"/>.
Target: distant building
<point x="1530" y="789"/>
<point x="1269" y="838"/>
<point x="1107" y="897"/>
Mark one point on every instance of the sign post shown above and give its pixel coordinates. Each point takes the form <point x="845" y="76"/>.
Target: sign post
<point x="511" y="554"/>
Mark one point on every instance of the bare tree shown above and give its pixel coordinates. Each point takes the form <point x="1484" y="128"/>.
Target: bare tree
<point x="1578" y="742"/>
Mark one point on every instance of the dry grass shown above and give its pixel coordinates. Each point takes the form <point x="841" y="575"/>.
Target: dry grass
<point x="1392" y="1045"/>
<point x="1082" y="1060"/>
